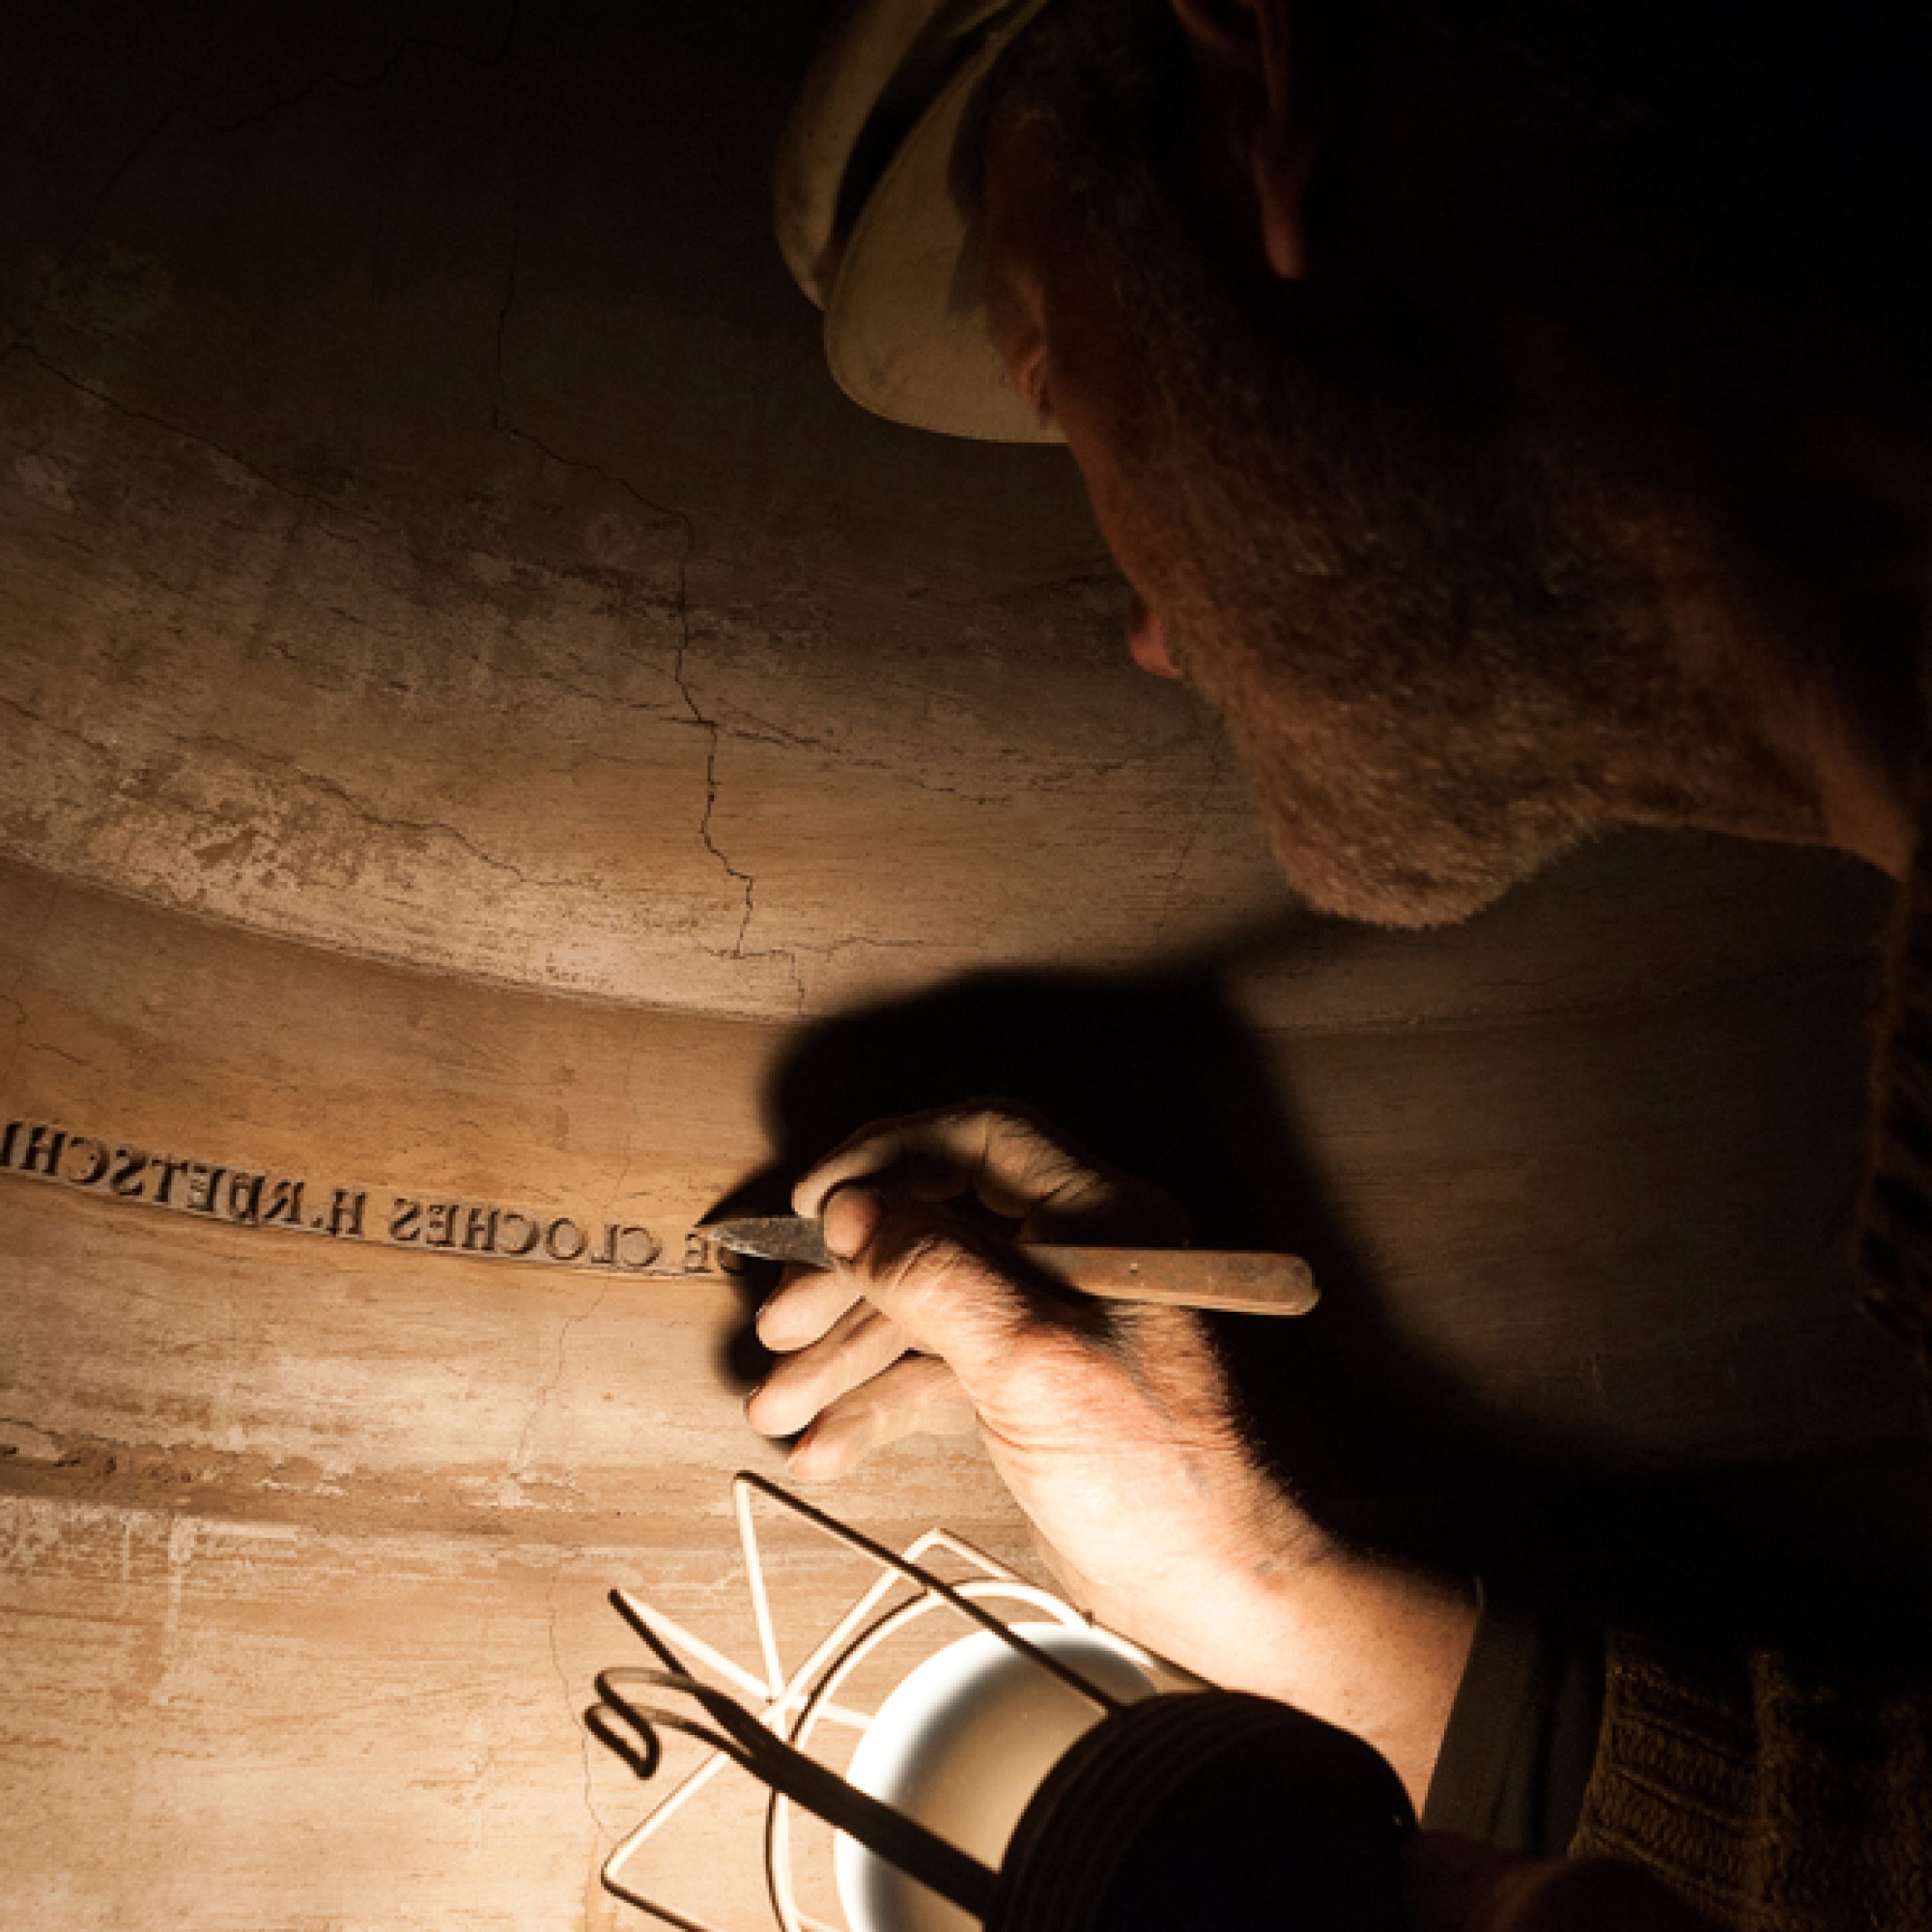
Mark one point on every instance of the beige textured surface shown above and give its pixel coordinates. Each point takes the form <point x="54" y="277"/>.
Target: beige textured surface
<point x="479" y="583"/>
<point x="306" y="1541"/>
<point x="304" y="1544"/>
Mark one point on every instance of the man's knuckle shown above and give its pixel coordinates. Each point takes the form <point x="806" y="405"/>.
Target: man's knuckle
<point x="931" y="1261"/>
<point x="1028" y="1135"/>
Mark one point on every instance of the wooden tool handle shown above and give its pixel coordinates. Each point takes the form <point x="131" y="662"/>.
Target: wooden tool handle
<point x="1233" y="1283"/>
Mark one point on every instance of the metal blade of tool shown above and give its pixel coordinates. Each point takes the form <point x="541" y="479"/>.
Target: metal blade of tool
<point x="1241" y="1284"/>
<point x="773" y="1238"/>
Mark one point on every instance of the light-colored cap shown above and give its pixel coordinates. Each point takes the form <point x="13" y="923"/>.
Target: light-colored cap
<point x="870" y="224"/>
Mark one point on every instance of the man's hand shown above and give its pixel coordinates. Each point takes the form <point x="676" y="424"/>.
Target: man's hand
<point x="852" y="1380"/>
<point x="1113" y="1425"/>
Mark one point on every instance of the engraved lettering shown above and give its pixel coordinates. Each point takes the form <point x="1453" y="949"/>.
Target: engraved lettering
<point x="345" y="1214"/>
<point x="43" y="1150"/>
<point x="245" y="1199"/>
<point x="203" y="1186"/>
<point x="253" y="1199"/>
<point x="284" y="1203"/>
<point x="644" y="1248"/>
<point x="506" y="1244"/>
<point x="96" y="1162"/>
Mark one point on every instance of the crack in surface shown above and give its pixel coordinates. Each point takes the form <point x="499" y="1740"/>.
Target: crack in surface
<point x="762" y="731"/>
<point x="58" y="1052"/>
<point x="27" y="351"/>
<point x="482" y="59"/>
<point x="308" y="662"/>
<point x="1217" y="750"/>
<point x="42" y="722"/>
<point x="858" y="940"/>
<point x="696" y="715"/>
<point x="505" y="422"/>
<point x="579" y="1729"/>
<point x="546" y="1390"/>
<point x="1068" y="772"/>
<point x="1171" y="885"/>
<point x="22" y="342"/>
<point x="370" y="816"/>
<point x="589" y="694"/>
<point x="336" y="789"/>
<point x="257" y="758"/>
<point x="90" y="222"/>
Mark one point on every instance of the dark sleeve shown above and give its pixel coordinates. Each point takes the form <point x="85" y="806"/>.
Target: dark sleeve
<point x="1523" y="1733"/>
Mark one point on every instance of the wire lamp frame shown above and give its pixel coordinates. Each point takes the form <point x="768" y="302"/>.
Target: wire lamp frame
<point x="769" y="1736"/>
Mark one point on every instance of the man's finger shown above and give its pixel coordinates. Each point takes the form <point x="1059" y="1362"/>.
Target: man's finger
<point x="860" y="1342"/>
<point x="1013" y="1164"/>
<point x="917" y="1396"/>
<point x="803" y="1309"/>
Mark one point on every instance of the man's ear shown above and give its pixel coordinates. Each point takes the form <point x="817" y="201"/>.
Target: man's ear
<point x="1246" y="51"/>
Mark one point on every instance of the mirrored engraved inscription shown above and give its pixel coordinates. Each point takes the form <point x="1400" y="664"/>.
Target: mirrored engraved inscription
<point x="241" y="1195"/>
<point x="703" y="1255"/>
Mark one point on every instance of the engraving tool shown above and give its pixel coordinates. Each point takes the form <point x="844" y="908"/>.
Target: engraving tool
<point x="1205" y="1278"/>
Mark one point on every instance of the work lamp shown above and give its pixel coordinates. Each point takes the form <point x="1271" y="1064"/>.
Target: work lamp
<point x="1035" y="1771"/>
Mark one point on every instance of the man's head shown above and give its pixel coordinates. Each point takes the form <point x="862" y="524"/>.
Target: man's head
<point x="1448" y="633"/>
<point x="1423" y="383"/>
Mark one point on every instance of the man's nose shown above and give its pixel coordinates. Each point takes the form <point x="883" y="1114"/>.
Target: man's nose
<point x="1148" y="640"/>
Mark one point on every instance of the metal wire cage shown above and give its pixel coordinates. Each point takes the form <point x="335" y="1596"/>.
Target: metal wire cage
<point x="771" y="1734"/>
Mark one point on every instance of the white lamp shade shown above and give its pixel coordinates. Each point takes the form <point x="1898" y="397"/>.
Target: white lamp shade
<point x="961" y="1746"/>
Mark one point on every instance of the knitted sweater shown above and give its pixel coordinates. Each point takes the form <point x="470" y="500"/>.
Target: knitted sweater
<point x="1770" y="1801"/>
<point x="1772" y="1797"/>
